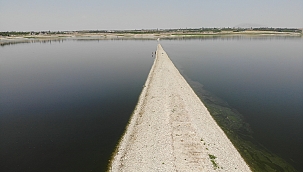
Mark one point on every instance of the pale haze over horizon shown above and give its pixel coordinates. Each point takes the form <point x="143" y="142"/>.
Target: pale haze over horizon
<point x="59" y="15"/>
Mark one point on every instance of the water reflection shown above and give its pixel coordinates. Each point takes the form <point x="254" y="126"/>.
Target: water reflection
<point x="25" y="41"/>
<point x="65" y="104"/>
<point x="260" y="77"/>
<point x="6" y="42"/>
<point x="233" y="37"/>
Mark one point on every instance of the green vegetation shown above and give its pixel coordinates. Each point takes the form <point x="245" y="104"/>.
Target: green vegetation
<point x="212" y="159"/>
<point x="278" y="29"/>
<point x="181" y="31"/>
<point x="240" y="134"/>
<point x="212" y="156"/>
<point x="13" y="33"/>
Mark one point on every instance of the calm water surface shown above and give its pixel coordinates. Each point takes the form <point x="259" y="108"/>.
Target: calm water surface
<point x="261" y="77"/>
<point x="64" y="105"/>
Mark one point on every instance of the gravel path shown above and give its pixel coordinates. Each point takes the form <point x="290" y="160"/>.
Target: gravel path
<point x="171" y="129"/>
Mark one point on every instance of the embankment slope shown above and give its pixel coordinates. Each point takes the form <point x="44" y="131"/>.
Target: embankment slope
<point x="171" y="129"/>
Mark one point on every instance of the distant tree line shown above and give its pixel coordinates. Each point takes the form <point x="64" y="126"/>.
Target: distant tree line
<point x="155" y="31"/>
<point x="278" y="29"/>
<point x="13" y="33"/>
<point x="234" y="29"/>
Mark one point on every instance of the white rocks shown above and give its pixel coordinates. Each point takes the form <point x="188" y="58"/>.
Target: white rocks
<point x="171" y="129"/>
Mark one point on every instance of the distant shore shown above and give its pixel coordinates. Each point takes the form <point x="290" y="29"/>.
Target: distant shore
<point x="46" y="37"/>
<point x="140" y="35"/>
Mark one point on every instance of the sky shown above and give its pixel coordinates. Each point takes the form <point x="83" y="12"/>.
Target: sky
<point x="62" y="15"/>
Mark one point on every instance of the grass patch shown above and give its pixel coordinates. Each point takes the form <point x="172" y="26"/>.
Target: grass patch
<point x="212" y="159"/>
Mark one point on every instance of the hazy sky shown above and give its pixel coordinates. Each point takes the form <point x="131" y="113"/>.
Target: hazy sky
<point x="36" y="15"/>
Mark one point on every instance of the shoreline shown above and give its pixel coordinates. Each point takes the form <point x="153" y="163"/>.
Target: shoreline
<point x="101" y="37"/>
<point x="171" y="129"/>
<point x="162" y="35"/>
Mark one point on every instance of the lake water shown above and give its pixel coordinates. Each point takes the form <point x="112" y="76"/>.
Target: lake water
<point x="64" y="104"/>
<point x="261" y="77"/>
